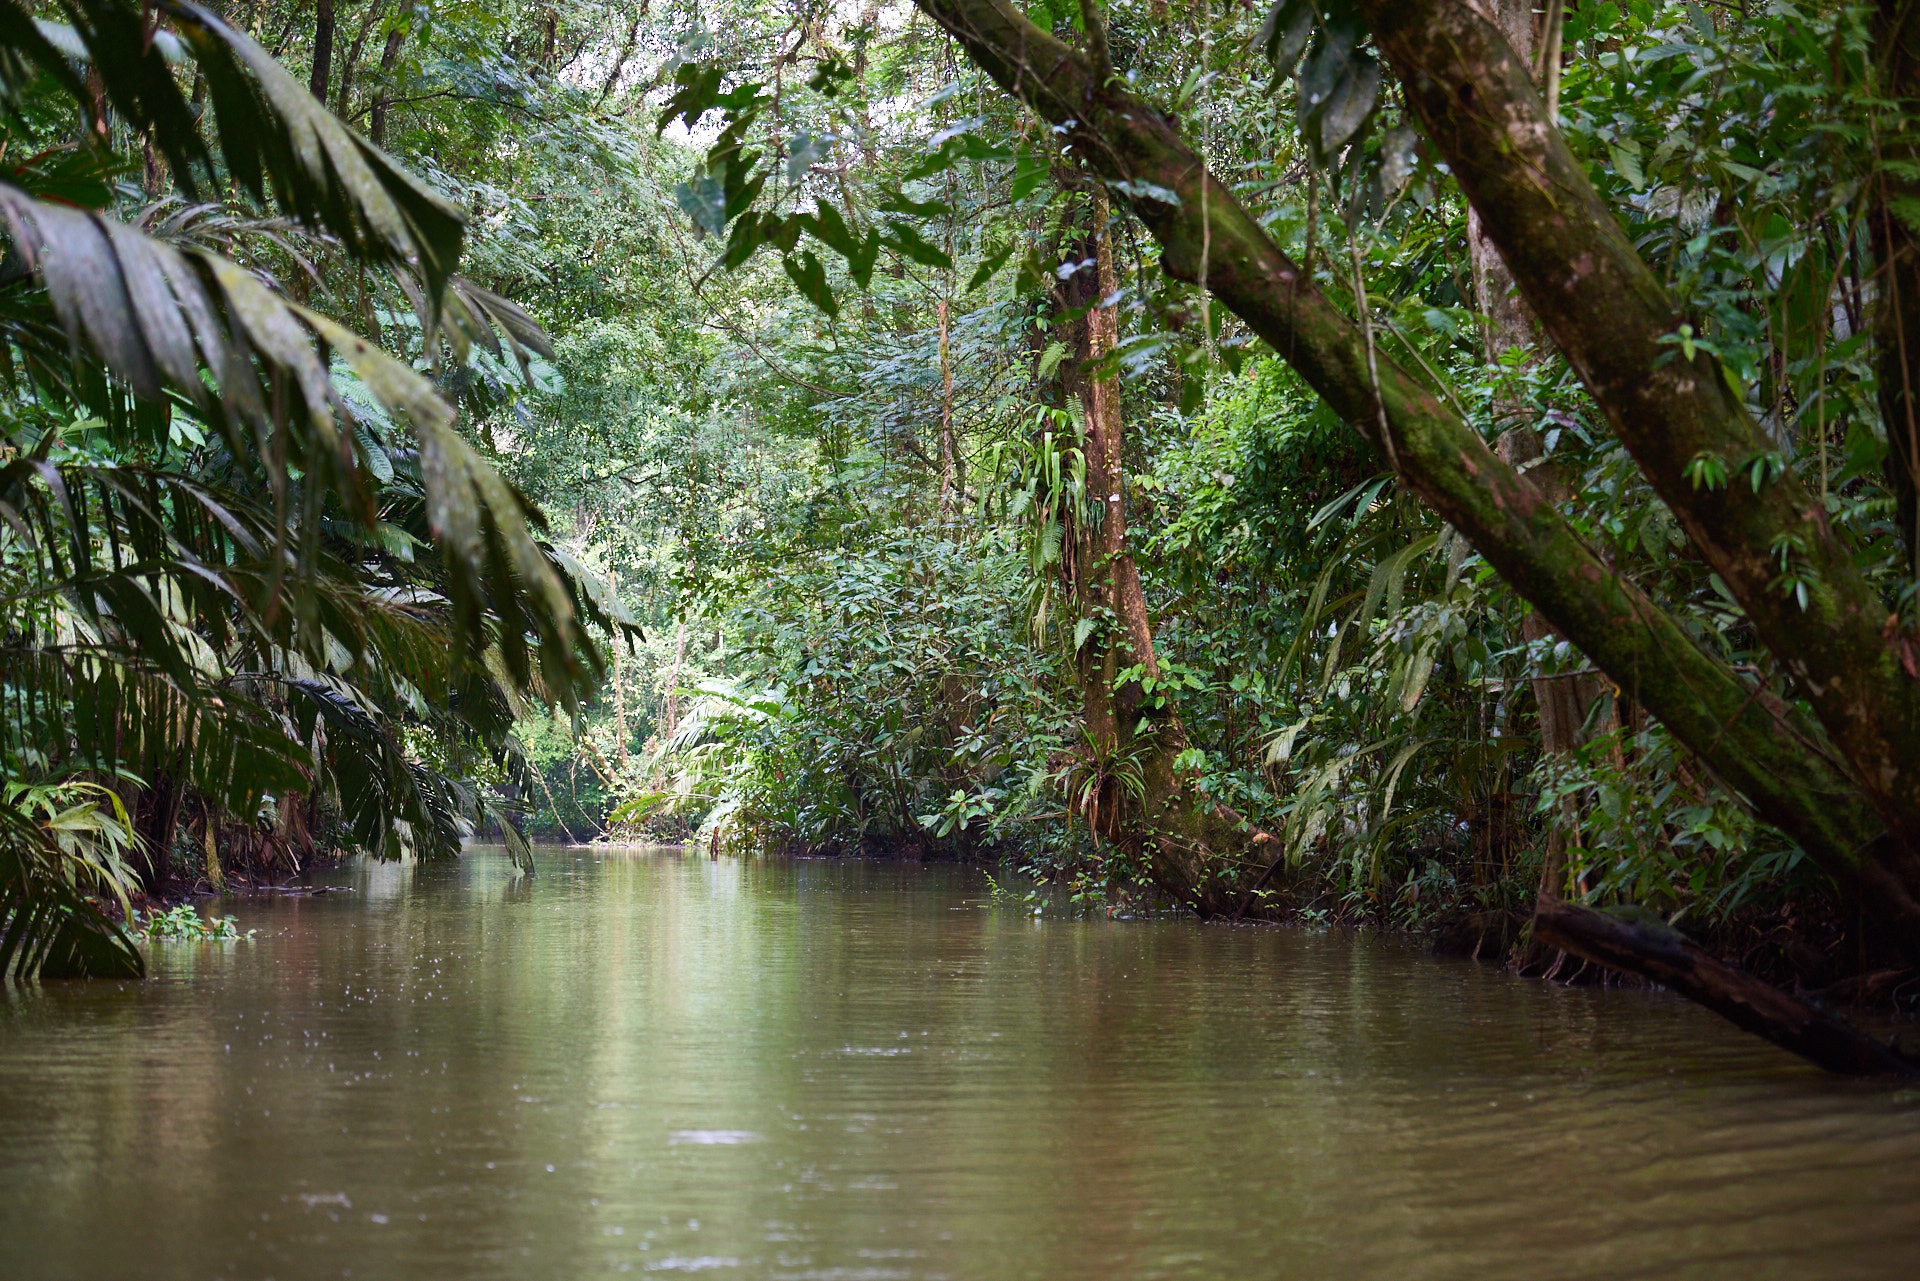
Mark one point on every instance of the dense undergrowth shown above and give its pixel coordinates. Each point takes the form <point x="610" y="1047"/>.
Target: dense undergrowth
<point x="847" y="500"/>
<point x="1354" y="682"/>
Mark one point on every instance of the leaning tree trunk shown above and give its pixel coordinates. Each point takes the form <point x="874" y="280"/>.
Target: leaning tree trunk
<point x="1641" y="943"/>
<point x="1181" y="833"/>
<point x="1843" y="787"/>
<point x="1809" y="786"/>
<point x="1610" y="316"/>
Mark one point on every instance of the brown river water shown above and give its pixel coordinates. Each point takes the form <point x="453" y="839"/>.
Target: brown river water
<point x="644" y="1062"/>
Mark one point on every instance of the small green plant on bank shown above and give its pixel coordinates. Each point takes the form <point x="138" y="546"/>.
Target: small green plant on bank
<point x="184" y="924"/>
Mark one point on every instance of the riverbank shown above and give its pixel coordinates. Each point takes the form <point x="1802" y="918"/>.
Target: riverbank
<point x="1800" y="946"/>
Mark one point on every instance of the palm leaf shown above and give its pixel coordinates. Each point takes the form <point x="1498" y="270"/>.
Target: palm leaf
<point x="274" y="136"/>
<point x="155" y="315"/>
<point x="473" y="314"/>
<point x="48" y="927"/>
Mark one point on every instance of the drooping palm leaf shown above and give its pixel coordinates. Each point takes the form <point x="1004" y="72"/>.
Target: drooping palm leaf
<point x="274" y="136"/>
<point x="472" y="316"/>
<point x="48" y="928"/>
<point x="156" y="315"/>
<point x="248" y="644"/>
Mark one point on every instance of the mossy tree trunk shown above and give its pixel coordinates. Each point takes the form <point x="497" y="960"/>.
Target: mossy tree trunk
<point x="1158" y="814"/>
<point x="1844" y="782"/>
<point x="1840" y="786"/>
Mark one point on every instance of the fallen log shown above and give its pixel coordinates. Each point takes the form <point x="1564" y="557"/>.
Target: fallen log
<point x="1635" y="941"/>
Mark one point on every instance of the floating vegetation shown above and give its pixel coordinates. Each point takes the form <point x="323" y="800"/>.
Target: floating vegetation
<point x="184" y="924"/>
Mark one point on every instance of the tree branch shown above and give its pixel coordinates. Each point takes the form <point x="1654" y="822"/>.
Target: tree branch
<point x="1609" y="315"/>
<point x="1757" y="745"/>
<point x="1642" y="944"/>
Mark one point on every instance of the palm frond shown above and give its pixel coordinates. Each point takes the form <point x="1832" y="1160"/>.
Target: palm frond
<point x="274" y="137"/>
<point x="48" y="927"/>
<point x="155" y="316"/>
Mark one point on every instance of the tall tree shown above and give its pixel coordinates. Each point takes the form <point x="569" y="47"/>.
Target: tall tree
<point x="1846" y="787"/>
<point x="1137" y="790"/>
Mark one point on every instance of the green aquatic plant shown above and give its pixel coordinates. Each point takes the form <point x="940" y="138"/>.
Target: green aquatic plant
<point x="183" y="923"/>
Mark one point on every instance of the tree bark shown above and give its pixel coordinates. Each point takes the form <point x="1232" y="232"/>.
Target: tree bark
<point x="1896" y="251"/>
<point x="159" y="815"/>
<point x="350" y="65"/>
<point x="947" y="450"/>
<point x="619" y="686"/>
<point x="1506" y="327"/>
<point x="1610" y="316"/>
<point x="1505" y="321"/>
<point x="670" y="711"/>
<point x="322" y="51"/>
<point x="389" y="57"/>
<point x="1640" y="943"/>
<point x="1757" y="743"/>
<point x="1179" y="831"/>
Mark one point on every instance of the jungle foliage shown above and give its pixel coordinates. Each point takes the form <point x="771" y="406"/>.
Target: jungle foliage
<point x="1173" y="451"/>
<point x="252" y="569"/>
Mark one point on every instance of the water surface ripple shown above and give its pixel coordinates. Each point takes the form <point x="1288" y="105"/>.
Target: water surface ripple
<point x="642" y="1062"/>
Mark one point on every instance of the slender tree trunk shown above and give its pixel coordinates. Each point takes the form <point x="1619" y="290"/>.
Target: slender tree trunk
<point x="1508" y="326"/>
<point x="389" y="57"/>
<point x="322" y="51"/>
<point x="619" y="685"/>
<point x="99" y="130"/>
<point x="947" y="450"/>
<point x="153" y="170"/>
<point x="670" y="713"/>
<point x="350" y="65"/>
<point x="619" y="66"/>
<point x="1181" y="833"/>
<point x="1896" y="250"/>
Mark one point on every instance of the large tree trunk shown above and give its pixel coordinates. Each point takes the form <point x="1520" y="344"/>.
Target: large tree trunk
<point x="1181" y="833"/>
<point x="1610" y="316"/>
<point x="1758" y="743"/>
<point x="1848" y="794"/>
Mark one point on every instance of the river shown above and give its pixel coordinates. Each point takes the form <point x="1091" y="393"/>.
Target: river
<point x="640" y="1061"/>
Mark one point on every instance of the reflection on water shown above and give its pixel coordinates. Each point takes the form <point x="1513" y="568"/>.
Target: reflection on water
<point x="841" y="1070"/>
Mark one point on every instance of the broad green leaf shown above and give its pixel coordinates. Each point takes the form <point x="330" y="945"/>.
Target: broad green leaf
<point x="804" y="269"/>
<point x="1030" y="170"/>
<point x="990" y="264"/>
<point x="902" y="238"/>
